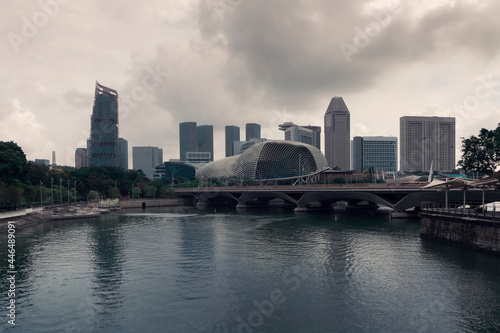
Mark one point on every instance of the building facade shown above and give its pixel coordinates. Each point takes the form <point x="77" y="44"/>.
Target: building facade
<point x="275" y="159"/>
<point x="81" y="158"/>
<point x="232" y="135"/>
<point x="252" y="131"/>
<point x="103" y="149"/>
<point x="338" y="134"/>
<point x="146" y="159"/>
<point x="123" y="144"/>
<point x="205" y="138"/>
<point x="305" y="134"/>
<point x="377" y="152"/>
<point x="241" y="146"/>
<point x="199" y="157"/>
<point x="188" y="140"/>
<point x="426" y="141"/>
<point x="42" y="161"/>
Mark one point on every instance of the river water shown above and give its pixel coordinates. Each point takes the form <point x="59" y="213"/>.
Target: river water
<point x="270" y="270"/>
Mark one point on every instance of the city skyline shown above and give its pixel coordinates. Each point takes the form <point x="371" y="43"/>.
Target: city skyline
<point x="189" y="61"/>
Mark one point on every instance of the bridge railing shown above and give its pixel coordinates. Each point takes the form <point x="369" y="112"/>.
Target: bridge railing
<point x="471" y="209"/>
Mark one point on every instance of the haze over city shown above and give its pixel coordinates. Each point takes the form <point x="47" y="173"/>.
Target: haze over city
<point x="227" y="62"/>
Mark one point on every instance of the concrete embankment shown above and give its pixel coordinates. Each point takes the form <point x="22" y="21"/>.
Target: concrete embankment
<point x="477" y="233"/>
<point x="145" y="203"/>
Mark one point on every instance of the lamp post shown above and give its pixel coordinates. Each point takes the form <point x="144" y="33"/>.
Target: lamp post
<point x="60" y="191"/>
<point x="52" y="190"/>
<point x="75" y="191"/>
<point x="68" y="191"/>
<point x="41" y="202"/>
<point x="173" y="175"/>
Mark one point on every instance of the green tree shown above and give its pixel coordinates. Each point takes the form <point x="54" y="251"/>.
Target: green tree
<point x="166" y="192"/>
<point x="93" y="194"/>
<point x="150" y="191"/>
<point x="136" y="192"/>
<point x="13" y="165"/>
<point x="113" y="192"/>
<point x="481" y="153"/>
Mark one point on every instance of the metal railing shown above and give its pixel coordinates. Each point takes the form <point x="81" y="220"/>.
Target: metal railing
<point x="17" y="213"/>
<point x="471" y="210"/>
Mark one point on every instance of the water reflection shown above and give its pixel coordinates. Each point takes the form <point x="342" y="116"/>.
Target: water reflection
<point x="106" y="244"/>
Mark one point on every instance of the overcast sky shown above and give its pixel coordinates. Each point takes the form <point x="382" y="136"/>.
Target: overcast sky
<point x="229" y="62"/>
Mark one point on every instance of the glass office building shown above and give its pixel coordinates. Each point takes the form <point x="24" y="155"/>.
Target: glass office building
<point x="103" y="148"/>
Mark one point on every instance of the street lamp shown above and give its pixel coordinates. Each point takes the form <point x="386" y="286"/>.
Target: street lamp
<point x="60" y="191"/>
<point x="68" y="191"/>
<point x="75" y="191"/>
<point x="41" y="202"/>
<point x="52" y="190"/>
<point x="173" y="175"/>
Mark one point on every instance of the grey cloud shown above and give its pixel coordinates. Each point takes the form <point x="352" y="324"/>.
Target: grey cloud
<point x="287" y="52"/>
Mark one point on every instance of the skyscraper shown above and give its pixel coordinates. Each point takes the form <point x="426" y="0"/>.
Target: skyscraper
<point x="305" y="134"/>
<point x="123" y="144"/>
<point x="377" y="152"/>
<point x="103" y="141"/>
<point x="337" y="134"/>
<point x="205" y="138"/>
<point x="146" y="159"/>
<point x="426" y="141"/>
<point x="252" y="131"/>
<point x="81" y="159"/>
<point x="232" y="135"/>
<point x="187" y="139"/>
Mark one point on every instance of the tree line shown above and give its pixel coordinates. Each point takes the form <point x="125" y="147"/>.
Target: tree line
<point x="25" y="183"/>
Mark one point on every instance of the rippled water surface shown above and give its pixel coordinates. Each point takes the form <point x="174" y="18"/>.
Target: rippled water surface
<point x="189" y="270"/>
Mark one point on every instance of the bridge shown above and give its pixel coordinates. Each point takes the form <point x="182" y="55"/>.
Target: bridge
<point x="403" y="200"/>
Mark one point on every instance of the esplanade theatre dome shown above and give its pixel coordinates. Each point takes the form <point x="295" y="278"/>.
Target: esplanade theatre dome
<point x="268" y="160"/>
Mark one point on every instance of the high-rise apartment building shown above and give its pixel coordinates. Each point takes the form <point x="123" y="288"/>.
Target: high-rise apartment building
<point x="377" y="152"/>
<point x="338" y="134"/>
<point x="188" y="140"/>
<point x="305" y="134"/>
<point x="205" y="138"/>
<point x="426" y="141"/>
<point x="252" y="131"/>
<point x="232" y="135"/>
<point x="194" y="139"/>
<point x="81" y="158"/>
<point x="103" y="149"/>
<point x="146" y="159"/>
<point x="123" y="147"/>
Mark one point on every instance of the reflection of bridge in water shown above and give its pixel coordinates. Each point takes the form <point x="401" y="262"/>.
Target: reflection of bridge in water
<point x="402" y="200"/>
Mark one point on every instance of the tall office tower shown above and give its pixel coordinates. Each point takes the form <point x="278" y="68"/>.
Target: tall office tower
<point x="188" y="140"/>
<point x="252" y="131"/>
<point x="54" y="158"/>
<point x="103" y="141"/>
<point x="305" y="134"/>
<point x="205" y="137"/>
<point x="81" y="159"/>
<point x="123" y="145"/>
<point x="426" y="141"/>
<point x="232" y="135"/>
<point x="377" y="152"/>
<point x="146" y="159"/>
<point x="357" y="154"/>
<point x="338" y="134"/>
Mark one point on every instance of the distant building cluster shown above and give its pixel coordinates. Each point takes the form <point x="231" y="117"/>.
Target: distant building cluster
<point x="425" y="143"/>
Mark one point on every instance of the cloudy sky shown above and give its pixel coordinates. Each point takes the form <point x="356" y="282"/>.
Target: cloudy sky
<point x="229" y="62"/>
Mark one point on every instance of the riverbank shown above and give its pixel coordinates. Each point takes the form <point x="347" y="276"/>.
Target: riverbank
<point x="83" y="210"/>
<point x="480" y="232"/>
